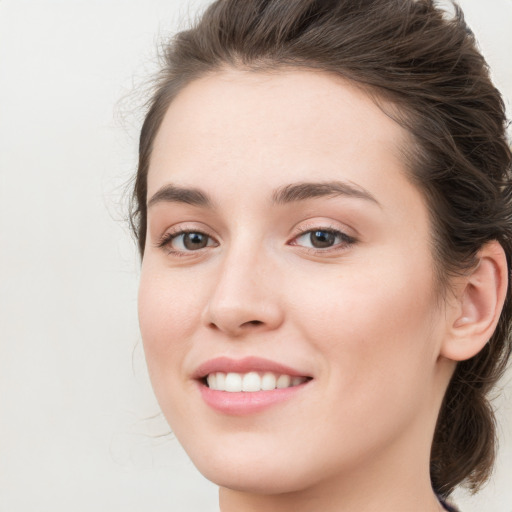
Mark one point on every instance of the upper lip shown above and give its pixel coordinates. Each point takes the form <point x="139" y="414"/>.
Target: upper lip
<point x="244" y="365"/>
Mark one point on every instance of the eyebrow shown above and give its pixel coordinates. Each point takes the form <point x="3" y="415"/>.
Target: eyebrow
<point x="174" y="194"/>
<point x="293" y="192"/>
<point x="309" y="190"/>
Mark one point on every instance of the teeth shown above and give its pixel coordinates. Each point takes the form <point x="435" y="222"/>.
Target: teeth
<point x="221" y="380"/>
<point x="252" y="381"/>
<point x="284" y="381"/>
<point x="268" y="382"/>
<point x="212" y="380"/>
<point x="297" y="380"/>
<point x="233" y="383"/>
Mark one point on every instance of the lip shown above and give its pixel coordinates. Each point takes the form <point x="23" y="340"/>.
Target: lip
<point x="245" y="403"/>
<point x="244" y="365"/>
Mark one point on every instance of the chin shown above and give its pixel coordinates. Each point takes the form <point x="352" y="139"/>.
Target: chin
<point x="254" y="470"/>
<point x="245" y="478"/>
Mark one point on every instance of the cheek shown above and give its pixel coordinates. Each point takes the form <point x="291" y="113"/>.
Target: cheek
<point x="374" y="323"/>
<point x="374" y="332"/>
<point x="166" y="317"/>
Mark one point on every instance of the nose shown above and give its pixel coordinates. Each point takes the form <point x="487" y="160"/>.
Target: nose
<point x="245" y="298"/>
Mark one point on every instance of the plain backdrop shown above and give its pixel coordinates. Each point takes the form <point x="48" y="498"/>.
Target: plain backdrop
<point x="79" y="427"/>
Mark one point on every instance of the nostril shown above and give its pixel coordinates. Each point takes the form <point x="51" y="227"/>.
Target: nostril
<point x="213" y="325"/>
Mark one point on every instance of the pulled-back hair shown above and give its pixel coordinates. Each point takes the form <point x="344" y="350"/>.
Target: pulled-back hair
<point x="425" y="64"/>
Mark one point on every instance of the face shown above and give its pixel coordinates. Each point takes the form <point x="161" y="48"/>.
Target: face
<point x="287" y="299"/>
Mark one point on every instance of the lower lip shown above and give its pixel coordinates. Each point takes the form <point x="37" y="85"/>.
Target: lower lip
<point x="242" y="403"/>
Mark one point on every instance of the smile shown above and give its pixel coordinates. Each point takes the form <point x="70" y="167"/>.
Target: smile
<point x="247" y="386"/>
<point x="252" y="381"/>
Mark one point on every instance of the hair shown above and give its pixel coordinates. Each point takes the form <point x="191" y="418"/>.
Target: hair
<point x="426" y="65"/>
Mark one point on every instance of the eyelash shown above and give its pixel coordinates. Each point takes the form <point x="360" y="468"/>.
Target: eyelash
<point x="167" y="239"/>
<point x="345" y="243"/>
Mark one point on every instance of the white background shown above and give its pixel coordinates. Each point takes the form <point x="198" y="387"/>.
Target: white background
<point x="79" y="427"/>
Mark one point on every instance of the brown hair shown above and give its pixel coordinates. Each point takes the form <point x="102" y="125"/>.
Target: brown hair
<point x="426" y="64"/>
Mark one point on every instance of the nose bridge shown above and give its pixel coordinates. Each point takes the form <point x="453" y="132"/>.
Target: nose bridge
<point x="244" y="297"/>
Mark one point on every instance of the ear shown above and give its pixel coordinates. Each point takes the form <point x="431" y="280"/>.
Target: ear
<point x="480" y="295"/>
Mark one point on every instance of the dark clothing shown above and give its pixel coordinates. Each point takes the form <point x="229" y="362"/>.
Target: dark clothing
<point x="449" y="508"/>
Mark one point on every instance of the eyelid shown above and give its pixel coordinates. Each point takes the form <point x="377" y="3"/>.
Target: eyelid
<point x="173" y="232"/>
<point x="348" y="240"/>
<point x="323" y="225"/>
<point x="169" y="236"/>
<point x="165" y="240"/>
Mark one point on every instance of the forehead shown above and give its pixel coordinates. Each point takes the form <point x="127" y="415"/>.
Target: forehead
<point x="274" y="127"/>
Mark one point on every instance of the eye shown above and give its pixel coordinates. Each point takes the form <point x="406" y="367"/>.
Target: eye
<point x="323" y="239"/>
<point x="186" y="241"/>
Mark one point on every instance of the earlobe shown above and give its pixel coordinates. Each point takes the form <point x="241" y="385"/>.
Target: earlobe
<point x="480" y="298"/>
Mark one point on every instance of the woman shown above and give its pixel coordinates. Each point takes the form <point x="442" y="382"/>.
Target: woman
<point x="323" y="209"/>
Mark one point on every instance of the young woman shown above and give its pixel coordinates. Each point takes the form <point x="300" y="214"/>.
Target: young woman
<point x="323" y="210"/>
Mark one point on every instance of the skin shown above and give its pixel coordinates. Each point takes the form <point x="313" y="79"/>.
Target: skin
<point x="363" y="318"/>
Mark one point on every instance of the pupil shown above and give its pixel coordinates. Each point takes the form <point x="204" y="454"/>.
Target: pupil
<point x="194" y="240"/>
<point x="320" y="239"/>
